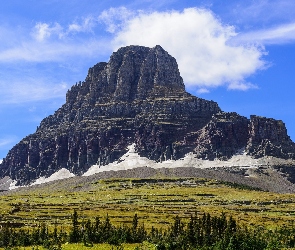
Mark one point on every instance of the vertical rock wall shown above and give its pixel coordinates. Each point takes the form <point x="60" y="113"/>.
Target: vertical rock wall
<point x="138" y="97"/>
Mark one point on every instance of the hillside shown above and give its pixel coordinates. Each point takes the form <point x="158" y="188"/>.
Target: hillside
<point x="138" y="99"/>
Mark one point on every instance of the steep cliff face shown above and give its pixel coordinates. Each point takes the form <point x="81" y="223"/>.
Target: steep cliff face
<point x="222" y="137"/>
<point x="229" y="133"/>
<point x="269" y="137"/>
<point x="138" y="97"/>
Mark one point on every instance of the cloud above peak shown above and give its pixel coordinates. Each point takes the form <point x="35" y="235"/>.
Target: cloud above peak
<point x="43" y="31"/>
<point x="280" y="34"/>
<point x="115" y="18"/>
<point x="210" y="54"/>
<point x="198" y="40"/>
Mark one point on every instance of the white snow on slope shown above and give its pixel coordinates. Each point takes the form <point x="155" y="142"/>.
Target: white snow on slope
<point x="13" y="185"/>
<point x="61" y="174"/>
<point x="128" y="161"/>
<point x="132" y="160"/>
<point x="5" y="183"/>
<point x="1" y="161"/>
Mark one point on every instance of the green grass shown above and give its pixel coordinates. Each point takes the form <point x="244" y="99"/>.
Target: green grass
<point x="156" y="203"/>
<point x="80" y="246"/>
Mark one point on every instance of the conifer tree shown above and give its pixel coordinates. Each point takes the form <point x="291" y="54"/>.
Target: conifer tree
<point x="75" y="234"/>
<point x="5" y="239"/>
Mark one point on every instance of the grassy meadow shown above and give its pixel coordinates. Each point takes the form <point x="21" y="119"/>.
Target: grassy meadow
<point x="156" y="202"/>
<point x="80" y="246"/>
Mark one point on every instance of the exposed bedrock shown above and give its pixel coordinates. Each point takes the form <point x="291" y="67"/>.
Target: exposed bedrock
<point x="138" y="97"/>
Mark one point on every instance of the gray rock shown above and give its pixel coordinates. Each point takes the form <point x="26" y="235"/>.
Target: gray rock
<point x="138" y="97"/>
<point x="268" y="137"/>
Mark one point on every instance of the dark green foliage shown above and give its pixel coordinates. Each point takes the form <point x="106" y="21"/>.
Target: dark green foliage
<point x="201" y="232"/>
<point x="75" y="233"/>
<point x="5" y="239"/>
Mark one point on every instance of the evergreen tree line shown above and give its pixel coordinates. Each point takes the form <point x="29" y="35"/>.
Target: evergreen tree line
<point x="201" y="232"/>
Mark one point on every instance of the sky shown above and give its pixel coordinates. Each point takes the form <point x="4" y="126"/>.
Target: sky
<point x="239" y="53"/>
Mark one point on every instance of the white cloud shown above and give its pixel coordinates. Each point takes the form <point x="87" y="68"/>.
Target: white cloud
<point x="86" y="25"/>
<point x="114" y="18"/>
<point x="195" y="37"/>
<point x="52" y="42"/>
<point x="276" y="35"/>
<point x="200" y="44"/>
<point x="262" y="12"/>
<point x="31" y="90"/>
<point x="241" y="86"/>
<point x="43" y="31"/>
<point x="32" y="51"/>
<point x="203" y="91"/>
<point x="32" y="64"/>
<point x="7" y="141"/>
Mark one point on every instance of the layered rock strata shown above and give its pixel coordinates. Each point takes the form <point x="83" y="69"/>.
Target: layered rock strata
<point x="138" y="97"/>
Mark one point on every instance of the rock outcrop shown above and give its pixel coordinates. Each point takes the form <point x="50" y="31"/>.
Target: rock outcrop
<point x="269" y="137"/>
<point x="138" y="97"/>
<point x="228" y="133"/>
<point x="222" y="136"/>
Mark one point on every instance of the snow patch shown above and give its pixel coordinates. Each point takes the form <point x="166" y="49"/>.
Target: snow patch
<point x="13" y="185"/>
<point x="128" y="161"/>
<point x="1" y="161"/>
<point x="5" y="183"/>
<point x="133" y="160"/>
<point x="61" y="174"/>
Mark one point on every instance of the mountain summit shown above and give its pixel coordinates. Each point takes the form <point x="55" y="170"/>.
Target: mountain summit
<point x="138" y="98"/>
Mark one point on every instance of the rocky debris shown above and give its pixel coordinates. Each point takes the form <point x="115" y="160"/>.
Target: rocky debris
<point x="267" y="179"/>
<point x="138" y="97"/>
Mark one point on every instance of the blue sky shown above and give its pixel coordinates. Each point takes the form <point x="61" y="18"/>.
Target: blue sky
<point x="239" y="53"/>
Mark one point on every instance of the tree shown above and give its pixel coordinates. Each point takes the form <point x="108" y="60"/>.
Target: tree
<point x="75" y="234"/>
<point x="6" y="235"/>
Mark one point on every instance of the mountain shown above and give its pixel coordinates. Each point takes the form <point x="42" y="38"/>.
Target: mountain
<point x="138" y="98"/>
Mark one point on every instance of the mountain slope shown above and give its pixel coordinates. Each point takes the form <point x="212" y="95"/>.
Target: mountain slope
<point x="138" y="97"/>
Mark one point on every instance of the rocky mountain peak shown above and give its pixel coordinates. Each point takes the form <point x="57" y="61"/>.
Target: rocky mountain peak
<point x="138" y="98"/>
<point x="132" y="73"/>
